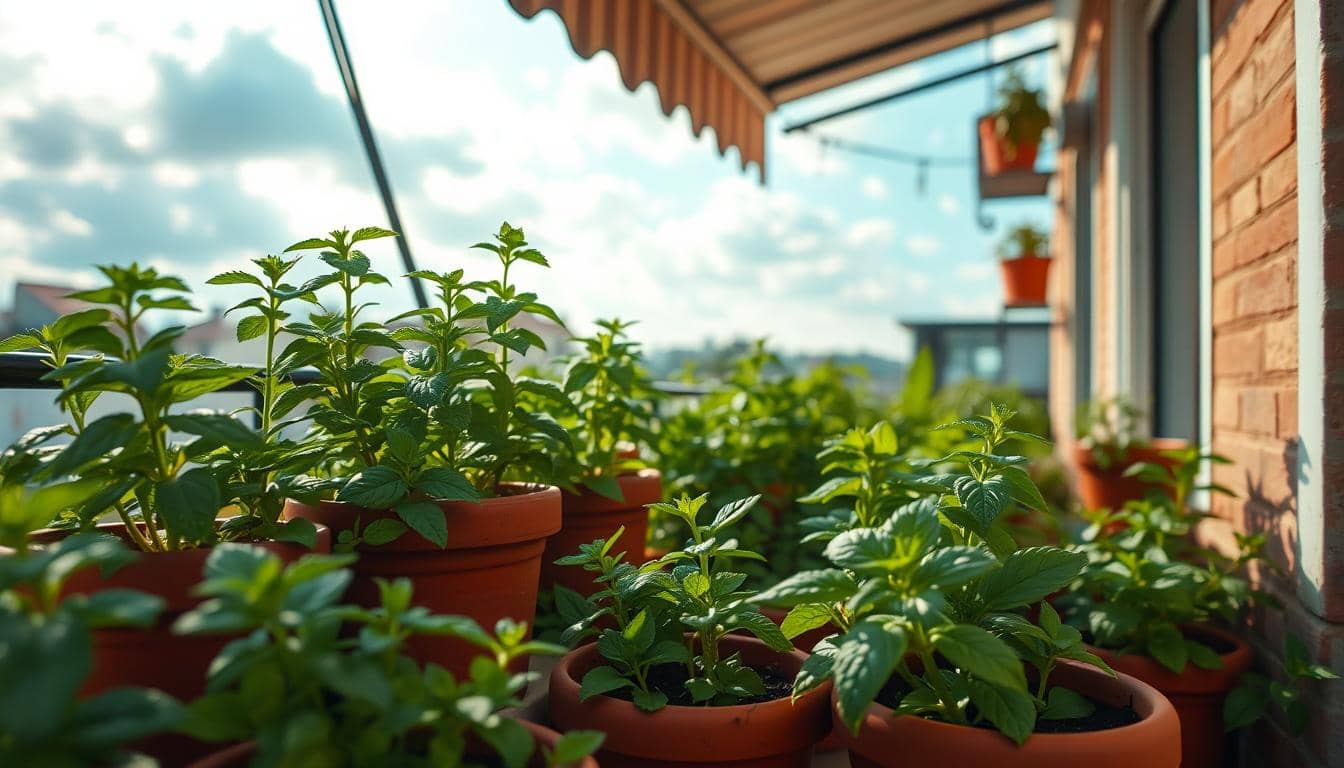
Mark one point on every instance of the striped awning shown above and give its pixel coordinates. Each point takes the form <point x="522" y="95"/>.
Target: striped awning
<point x="731" y="62"/>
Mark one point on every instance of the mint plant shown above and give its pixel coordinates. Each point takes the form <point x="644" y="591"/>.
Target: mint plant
<point x="146" y="477"/>
<point x="1020" y="119"/>
<point x="1024" y="240"/>
<point x="307" y="693"/>
<point x="928" y="602"/>
<point x="676" y="618"/>
<point x="610" y="394"/>
<point x="1255" y="693"/>
<point x="1107" y="429"/>
<point x="46" y="646"/>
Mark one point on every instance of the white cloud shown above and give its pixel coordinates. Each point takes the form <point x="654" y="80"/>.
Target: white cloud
<point x="923" y="244"/>
<point x="976" y="270"/>
<point x="874" y="188"/>
<point x="68" y="223"/>
<point x="870" y="233"/>
<point x="949" y="204"/>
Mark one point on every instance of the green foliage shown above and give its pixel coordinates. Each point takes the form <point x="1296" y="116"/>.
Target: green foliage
<point x="611" y="395"/>
<point x="1020" y="119"/>
<point x="676" y="616"/>
<point x="1024" y="240"/>
<point x="46" y="646"/>
<point x="1107" y="428"/>
<point x="143" y="474"/>
<point x="927" y="591"/>
<point x="443" y="418"/>
<point x="1255" y="693"/>
<point x="307" y="693"/>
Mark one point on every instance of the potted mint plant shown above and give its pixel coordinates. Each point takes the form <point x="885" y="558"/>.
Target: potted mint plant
<point x="153" y="465"/>
<point x="1010" y="136"/>
<point x="297" y="691"/>
<point x="935" y="659"/>
<point x="606" y="485"/>
<point x="1164" y="609"/>
<point x="430" y="439"/>
<point x="669" y="659"/>
<point x="1024" y="261"/>
<point x="1109" y="450"/>
<point x="46" y="639"/>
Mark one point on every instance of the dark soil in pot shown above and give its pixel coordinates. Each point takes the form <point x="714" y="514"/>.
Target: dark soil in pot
<point x="671" y="679"/>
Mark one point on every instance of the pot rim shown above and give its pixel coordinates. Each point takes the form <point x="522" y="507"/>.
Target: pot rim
<point x="1146" y="449"/>
<point x="1153" y="707"/>
<point x="723" y="726"/>
<point x="1193" y="679"/>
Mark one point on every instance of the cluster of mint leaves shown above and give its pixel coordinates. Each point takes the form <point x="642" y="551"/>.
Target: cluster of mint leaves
<point x="672" y="611"/>
<point x="928" y="591"/>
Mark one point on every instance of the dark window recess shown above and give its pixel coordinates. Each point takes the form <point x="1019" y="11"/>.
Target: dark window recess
<point x="1175" y="218"/>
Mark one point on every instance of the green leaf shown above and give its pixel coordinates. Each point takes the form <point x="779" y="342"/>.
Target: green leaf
<point x="1064" y="704"/>
<point x="383" y="531"/>
<point x="982" y="655"/>
<point x="821" y="586"/>
<point x="732" y="512"/>
<point x="605" y="486"/>
<point x="805" y="618"/>
<point x="374" y="488"/>
<point x="1167" y="646"/>
<point x="763" y="628"/>
<point x="1028" y="576"/>
<point x="121" y="715"/>
<point x="235" y="277"/>
<point x="217" y="427"/>
<point x="833" y="488"/>
<point x="649" y="701"/>
<point x="20" y="342"/>
<point x="816" y="669"/>
<point x="446" y="484"/>
<point x="1011" y="710"/>
<point x="950" y="567"/>
<point x="370" y="233"/>
<point x="576" y="745"/>
<point x="1202" y="655"/>
<point x="119" y="608"/>
<point x="427" y="519"/>
<point x="984" y="500"/>
<point x="600" y="680"/>
<point x="187" y="504"/>
<point x="1246" y="703"/>
<point x="865" y="658"/>
<point x="310" y="244"/>
<point x="251" y="327"/>
<point x="1024" y="490"/>
<point x="99" y="438"/>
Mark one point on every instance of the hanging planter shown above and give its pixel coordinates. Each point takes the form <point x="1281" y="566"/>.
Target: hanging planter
<point x="1010" y="137"/>
<point x="1025" y="265"/>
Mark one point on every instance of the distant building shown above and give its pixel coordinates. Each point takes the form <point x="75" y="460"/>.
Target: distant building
<point x="1014" y="350"/>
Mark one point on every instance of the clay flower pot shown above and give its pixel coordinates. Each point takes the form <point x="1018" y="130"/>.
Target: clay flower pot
<point x="1109" y="488"/>
<point x="155" y="657"/>
<point x="488" y="571"/>
<point x="773" y="734"/>
<point x="1024" y="280"/>
<point x="1196" y="693"/>
<point x="997" y="157"/>
<point x="240" y="755"/>
<point x="887" y="740"/>
<point x="588" y="516"/>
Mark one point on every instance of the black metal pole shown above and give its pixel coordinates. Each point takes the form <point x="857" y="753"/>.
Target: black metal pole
<point x="347" y="68"/>
<point x="919" y="88"/>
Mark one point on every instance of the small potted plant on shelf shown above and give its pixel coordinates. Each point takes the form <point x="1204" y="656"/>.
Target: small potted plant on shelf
<point x="1024" y="261"/>
<point x="1011" y="135"/>
<point x="606" y="485"/>
<point x="936" y="661"/>
<point x="46" y="642"/>
<point x="299" y="691"/>
<point x="668" y="661"/>
<point x="1159" y="607"/>
<point x="425" y="448"/>
<point x="156" y="467"/>
<point x="1111" y="459"/>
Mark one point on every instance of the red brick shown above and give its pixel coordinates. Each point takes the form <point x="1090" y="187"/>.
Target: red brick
<point x="1245" y="28"/>
<point x="1274" y="127"/>
<point x="1281" y="344"/>
<point x="1270" y="288"/>
<point x="1226" y="168"/>
<point x="1287" y="405"/>
<point x="1279" y="176"/>
<point x="1245" y="203"/>
<point x="1274" y="56"/>
<point x="1220" y="125"/>
<point x="1241" y="98"/>
<point x="1226" y="407"/>
<point x="1220" y="226"/>
<point x="1238" y="353"/>
<point x="1224" y="301"/>
<point x="1258" y="412"/>
<point x="1267" y="233"/>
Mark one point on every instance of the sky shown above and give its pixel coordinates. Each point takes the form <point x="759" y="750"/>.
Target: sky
<point x="193" y="136"/>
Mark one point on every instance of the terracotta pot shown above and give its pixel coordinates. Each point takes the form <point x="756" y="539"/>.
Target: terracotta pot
<point x="1196" y="693"/>
<point x="773" y="734"/>
<point x="776" y="500"/>
<point x="995" y="153"/>
<point x="887" y="740"/>
<point x="1109" y="488"/>
<point x="240" y="755"/>
<point x="155" y="657"/>
<point x="488" y="571"/>
<point x="1024" y="280"/>
<point x="589" y="516"/>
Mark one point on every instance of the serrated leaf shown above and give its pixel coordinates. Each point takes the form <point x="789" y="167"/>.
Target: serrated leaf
<point x="251" y="327"/>
<point x="805" y="618"/>
<point x="600" y="680"/>
<point x="982" y="655"/>
<point x="1011" y="710"/>
<point x="820" y="586"/>
<point x="374" y="488"/>
<point x="1028" y="576"/>
<point x="425" y="518"/>
<point x="864" y="659"/>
